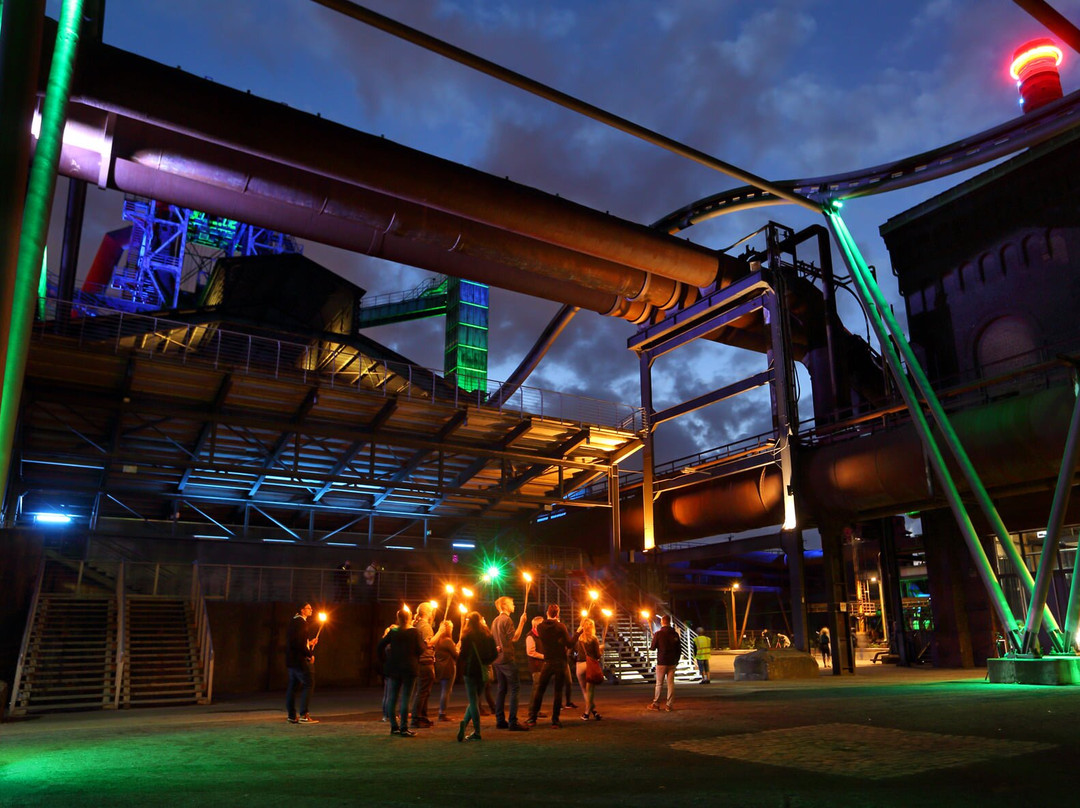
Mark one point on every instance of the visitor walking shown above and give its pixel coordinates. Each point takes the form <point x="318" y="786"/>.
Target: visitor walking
<point x="556" y="640"/>
<point x="666" y="644"/>
<point x="477" y="652"/>
<point x="446" y="655"/>
<point x="400" y="650"/>
<point x="589" y="650"/>
<point x="703" y="653"/>
<point x="299" y="656"/>
<point x="505" y="667"/>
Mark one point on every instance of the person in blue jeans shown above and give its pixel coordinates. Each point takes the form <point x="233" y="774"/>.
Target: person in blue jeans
<point x="505" y="665"/>
<point x="299" y="655"/>
<point x="400" y="651"/>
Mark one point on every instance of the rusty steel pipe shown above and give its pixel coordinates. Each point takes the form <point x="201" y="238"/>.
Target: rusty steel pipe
<point x="139" y="89"/>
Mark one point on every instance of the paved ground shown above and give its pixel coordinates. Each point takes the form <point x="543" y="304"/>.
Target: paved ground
<point x="883" y="737"/>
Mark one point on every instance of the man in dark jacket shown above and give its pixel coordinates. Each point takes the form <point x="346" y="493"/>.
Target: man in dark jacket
<point x="400" y="649"/>
<point x="298" y="659"/>
<point x="666" y="644"/>
<point x="556" y="641"/>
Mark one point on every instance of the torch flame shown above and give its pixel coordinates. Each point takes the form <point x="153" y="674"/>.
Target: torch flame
<point x="527" y="577"/>
<point x="461" y="607"/>
<point x="322" y="617"/>
<point x="645" y="614"/>
<point x="466" y="591"/>
<point x="594" y="594"/>
<point x="449" y="589"/>
<point x="606" y="612"/>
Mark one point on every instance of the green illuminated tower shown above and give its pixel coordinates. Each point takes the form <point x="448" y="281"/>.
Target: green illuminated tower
<point x="466" y="357"/>
<point x="465" y="305"/>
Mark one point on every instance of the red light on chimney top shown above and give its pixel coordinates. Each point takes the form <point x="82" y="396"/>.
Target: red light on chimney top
<point x="1035" y="69"/>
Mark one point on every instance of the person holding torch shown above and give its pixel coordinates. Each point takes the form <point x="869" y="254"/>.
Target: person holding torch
<point x="299" y="656"/>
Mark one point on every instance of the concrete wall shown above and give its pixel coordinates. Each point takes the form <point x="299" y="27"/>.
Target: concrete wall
<point x="249" y="645"/>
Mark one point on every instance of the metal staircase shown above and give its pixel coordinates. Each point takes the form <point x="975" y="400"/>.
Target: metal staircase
<point x="113" y="634"/>
<point x="70" y="661"/>
<point x="163" y="656"/>
<point x="628" y="656"/>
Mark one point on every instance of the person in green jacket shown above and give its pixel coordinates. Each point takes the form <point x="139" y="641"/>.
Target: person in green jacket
<point x="703" y="650"/>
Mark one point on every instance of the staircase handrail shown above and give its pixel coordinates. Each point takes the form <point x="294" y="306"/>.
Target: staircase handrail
<point x="25" y="646"/>
<point x="121" y="635"/>
<point x="202" y="632"/>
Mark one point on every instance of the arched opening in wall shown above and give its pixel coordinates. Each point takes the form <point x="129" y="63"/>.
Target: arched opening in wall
<point x="1008" y="343"/>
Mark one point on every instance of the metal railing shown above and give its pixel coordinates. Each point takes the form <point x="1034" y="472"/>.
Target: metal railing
<point x="121" y="637"/>
<point x="203" y="636"/>
<point x="335" y="364"/>
<point x="24" y="647"/>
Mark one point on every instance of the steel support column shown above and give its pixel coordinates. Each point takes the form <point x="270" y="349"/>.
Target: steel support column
<point x="616" y="517"/>
<point x="877" y="311"/>
<point x="792" y="543"/>
<point x="19" y="309"/>
<point x="648" y="526"/>
<point x="982" y="496"/>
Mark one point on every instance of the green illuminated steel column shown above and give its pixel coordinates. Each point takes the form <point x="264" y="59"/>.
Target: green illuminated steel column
<point x="952" y="440"/>
<point x="35" y="226"/>
<point x="1053" y="533"/>
<point x="864" y="283"/>
<point x="20" y="55"/>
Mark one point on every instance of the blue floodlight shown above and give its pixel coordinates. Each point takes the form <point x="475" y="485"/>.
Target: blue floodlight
<point x="50" y="518"/>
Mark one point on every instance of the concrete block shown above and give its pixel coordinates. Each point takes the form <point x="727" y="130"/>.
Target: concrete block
<point x="1051" y="670"/>
<point x="768" y="664"/>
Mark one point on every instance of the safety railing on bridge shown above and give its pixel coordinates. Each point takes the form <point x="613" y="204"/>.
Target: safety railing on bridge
<point x="335" y="364"/>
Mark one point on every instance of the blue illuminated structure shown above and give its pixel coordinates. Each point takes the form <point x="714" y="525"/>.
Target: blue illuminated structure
<point x="165" y="237"/>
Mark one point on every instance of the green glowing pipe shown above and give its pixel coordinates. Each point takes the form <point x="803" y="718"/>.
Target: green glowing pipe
<point x="952" y="440"/>
<point x="863" y="280"/>
<point x="39" y="196"/>
<point x="1053" y="533"/>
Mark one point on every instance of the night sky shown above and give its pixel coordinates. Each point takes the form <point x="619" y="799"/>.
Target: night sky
<point x="781" y="89"/>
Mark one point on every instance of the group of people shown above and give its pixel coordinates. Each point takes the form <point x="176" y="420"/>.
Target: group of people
<point x="415" y="655"/>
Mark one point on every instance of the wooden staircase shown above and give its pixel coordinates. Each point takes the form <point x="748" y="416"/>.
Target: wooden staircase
<point x="71" y="656"/>
<point x="163" y="657"/>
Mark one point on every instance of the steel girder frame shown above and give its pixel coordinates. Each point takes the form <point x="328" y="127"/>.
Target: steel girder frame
<point x="893" y="342"/>
<point x="100" y="415"/>
<point x="747" y="295"/>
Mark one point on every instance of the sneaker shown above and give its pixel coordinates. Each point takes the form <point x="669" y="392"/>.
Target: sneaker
<point x="595" y="715"/>
<point x="307" y="719"/>
<point x="473" y="736"/>
<point x="292" y="719"/>
<point x="501" y="725"/>
<point x="530" y="722"/>
<point x="556" y="725"/>
<point x="669" y="709"/>
<point x="584" y="716"/>
<point x="422" y="723"/>
<point x="571" y="705"/>
<point x="654" y="706"/>
<point x="407" y="733"/>
<point x="443" y="717"/>
<point x="518" y="728"/>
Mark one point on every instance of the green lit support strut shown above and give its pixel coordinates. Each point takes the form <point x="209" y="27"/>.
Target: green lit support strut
<point x="893" y="342"/>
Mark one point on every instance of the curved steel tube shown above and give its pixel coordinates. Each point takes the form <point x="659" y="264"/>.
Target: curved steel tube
<point x="1019" y="133"/>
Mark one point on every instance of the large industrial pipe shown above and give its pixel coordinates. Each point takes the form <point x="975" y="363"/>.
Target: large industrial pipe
<point x="139" y="89"/>
<point x="1012" y="442"/>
